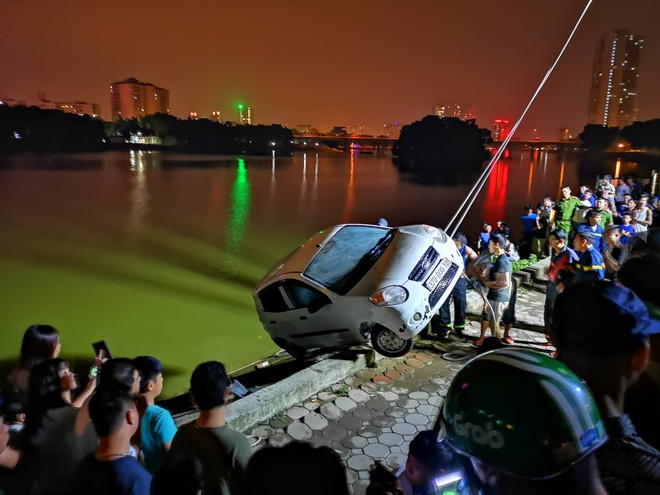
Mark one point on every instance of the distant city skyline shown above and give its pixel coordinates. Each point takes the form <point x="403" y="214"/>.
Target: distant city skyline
<point x="349" y="64"/>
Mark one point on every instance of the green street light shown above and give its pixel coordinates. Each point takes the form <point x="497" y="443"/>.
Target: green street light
<point x="240" y="106"/>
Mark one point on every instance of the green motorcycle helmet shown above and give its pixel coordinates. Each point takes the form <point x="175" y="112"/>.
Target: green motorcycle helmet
<point x="522" y="413"/>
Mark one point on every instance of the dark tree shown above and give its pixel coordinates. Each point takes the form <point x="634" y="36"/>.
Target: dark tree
<point x="597" y="137"/>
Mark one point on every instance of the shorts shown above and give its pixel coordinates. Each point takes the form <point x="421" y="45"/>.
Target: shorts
<point x="498" y="308"/>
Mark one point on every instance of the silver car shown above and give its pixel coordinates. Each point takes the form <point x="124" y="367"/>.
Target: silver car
<point x="352" y="283"/>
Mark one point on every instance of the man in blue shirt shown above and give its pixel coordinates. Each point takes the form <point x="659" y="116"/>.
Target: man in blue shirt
<point x="157" y="428"/>
<point x="594" y="226"/>
<point x="529" y="224"/>
<point x="590" y="266"/>
<point x="560" y="273"/>
<point x="112" y="470"/>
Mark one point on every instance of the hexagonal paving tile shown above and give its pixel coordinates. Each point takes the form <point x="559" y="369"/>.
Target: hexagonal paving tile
<point x="400" y="390"/>
<point x="279" y="439"/>
<point x="377" y="404"/>
<point x="327" y="396"/>
<point x="369" y="387"/>
<point x="426" y="358"/>
<point x="320" y="442"/>
<point x="435" y="401"/>
<point x="440" y="381"/>
<point x="296" y="412"/>
<point x="340" y="388"/>
<point x="334" y="432"/>
<point x="262" y="431"/>
<point x="390" y="439"/>
<point x="377" y="450"/>
<point x="351" y="423"/>
<point x="360" y="487"/>
<point x="299" y="431"/>
<point x="359" y="395"/>
<point x="353" y="381"/>
<point x="345" y="403"/>
<point x="418" y="395"/>
<point x="394" y="375"/>
<point x="396" y="412"/>
<point x="355" y="442"/>
<point x="404" y="447"/>
<point x="396" y="460"/>
<point x="368" y="431"/>
<point x="382" y="379"/>
<point x="331" y="411"/>
<point x="363" y="413"/>
<point x="404" y="429"/>
<point x="403" y="368"/>
<point x="360" y="462"/>
<point x="388" y="396"/>
<point x="426" y="410"/>
<point x="388" y="363"/>
<point x="351" y="476"/>
<point x="429" y="388"/>
<point x="382" y="421"/>
<point x="280" y="422"/>
<point x="415" y="363"/>
<point x="417" y="419"/>
<point x="366" y="374"/>
<point x="407" y="403"/>
<point x="312" y="405"/>
<point x="316" y="421"/>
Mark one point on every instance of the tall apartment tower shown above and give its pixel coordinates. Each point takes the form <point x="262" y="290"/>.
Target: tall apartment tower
<point x="614" y="82"/>
<point x="133" y="99"/>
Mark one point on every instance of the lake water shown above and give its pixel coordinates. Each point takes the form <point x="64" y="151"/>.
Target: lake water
<point x="158" y="254"/>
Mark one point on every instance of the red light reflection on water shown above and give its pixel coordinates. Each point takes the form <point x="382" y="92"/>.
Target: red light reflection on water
<point x="495" y="202"/>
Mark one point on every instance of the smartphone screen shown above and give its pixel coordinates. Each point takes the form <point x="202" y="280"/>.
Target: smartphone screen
<point x="452" y="482"/>
<point x="101" y="346"/>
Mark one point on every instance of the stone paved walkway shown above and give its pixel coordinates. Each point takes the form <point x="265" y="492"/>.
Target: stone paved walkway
<point x="374" y="414"/>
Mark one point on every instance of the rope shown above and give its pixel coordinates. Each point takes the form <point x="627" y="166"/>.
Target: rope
<point x="476" y="189"/>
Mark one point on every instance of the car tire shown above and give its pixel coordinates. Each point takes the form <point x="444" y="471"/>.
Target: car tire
<point x="388" y="343"/>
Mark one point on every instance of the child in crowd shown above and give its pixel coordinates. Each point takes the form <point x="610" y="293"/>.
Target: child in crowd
<point x="627" y="228"/>
<point x="157" y="426"/>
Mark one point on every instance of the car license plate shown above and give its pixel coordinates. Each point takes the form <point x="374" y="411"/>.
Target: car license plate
<point x="432" y="282"/>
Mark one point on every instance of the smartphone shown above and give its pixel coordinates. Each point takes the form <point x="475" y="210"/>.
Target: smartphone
<point x="101" y="346"/>
<point x="454" y="482"/>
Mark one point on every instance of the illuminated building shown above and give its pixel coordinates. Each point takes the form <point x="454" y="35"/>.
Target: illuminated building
<point x="614" y="82"/>
<point x="133" y="99"/>
<point x="245" y="114"/>
<point x="463" y="112"/>
<point x="501" y="129"/>
<point x="76" y="107"/>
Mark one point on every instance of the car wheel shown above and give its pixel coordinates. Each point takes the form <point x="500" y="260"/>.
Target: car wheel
<point x="388" y="343"/>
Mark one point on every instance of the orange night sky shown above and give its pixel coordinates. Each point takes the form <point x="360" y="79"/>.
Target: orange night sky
<point x="325" y="63"/>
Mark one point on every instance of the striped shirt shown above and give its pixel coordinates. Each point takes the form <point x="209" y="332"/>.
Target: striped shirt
<point x="627" y="464"/>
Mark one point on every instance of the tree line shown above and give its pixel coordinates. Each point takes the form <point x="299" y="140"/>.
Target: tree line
<point x="31" y="128"/>
<point x="643" y="136"/>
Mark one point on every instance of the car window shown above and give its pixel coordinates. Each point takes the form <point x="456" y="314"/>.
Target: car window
<point x="272" y="300"/>
<point x="348" y="255"/>
<point x="304" y="296"/>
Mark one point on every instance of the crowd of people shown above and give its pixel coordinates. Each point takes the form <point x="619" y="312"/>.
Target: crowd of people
<point x="514" y="420"/>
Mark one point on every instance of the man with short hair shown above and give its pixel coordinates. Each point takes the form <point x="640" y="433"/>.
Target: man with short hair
<point x="615" y="253"/>
<point x="603" y="207"/>
<point x="498" y="288"/>
<point x="564" y="210"/>
<point x="112" y="470"/>
<point x="590" y="266"/>
<point x="157" y="428"/>
<point x="223" y="452"/>
<point x="594" y="226"/>
<point x="609" y="348"/>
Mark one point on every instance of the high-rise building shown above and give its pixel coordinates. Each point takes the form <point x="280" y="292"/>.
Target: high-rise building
<point x="452" y="109"/>
<point x="501" y="129"/>
<point x="245" y="114"/>
<point x="614" y="82"/>
<point x="133" y="99"/>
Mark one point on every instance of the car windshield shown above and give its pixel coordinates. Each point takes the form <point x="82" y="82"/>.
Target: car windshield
<point x="348" y="256"/>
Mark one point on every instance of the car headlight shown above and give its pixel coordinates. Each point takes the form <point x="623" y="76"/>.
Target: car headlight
<point x="435" y="232"/>
<point x="389" y="296"/>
